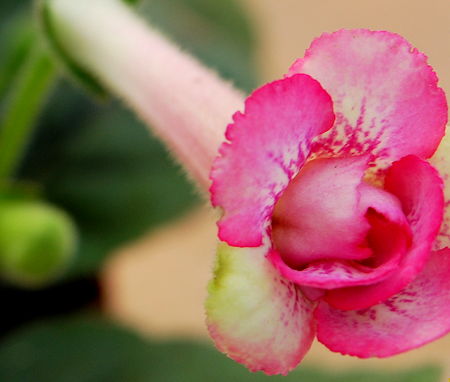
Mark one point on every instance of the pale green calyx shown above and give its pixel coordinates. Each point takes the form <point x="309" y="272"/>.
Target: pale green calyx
<point x="37" y="242"/>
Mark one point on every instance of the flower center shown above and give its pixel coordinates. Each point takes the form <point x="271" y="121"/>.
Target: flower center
<point x="329" y="212"/>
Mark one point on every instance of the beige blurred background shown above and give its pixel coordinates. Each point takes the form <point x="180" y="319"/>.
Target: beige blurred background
<point x="286" y="27"/>
<point x="157" y="285"/>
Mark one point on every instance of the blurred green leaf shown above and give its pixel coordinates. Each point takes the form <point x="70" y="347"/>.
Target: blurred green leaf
<point x="27" y="96"/>
<point x="16" y="39"/>
<point x="8" y="6"/>
<point x="115" y="180"/>
<point x="132" y="2"/>
<point x="94" y="350"/>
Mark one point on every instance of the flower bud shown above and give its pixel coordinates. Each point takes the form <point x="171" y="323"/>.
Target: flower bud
<point x="82" y="75"/>
<point x="37" y="241"/>
<point x="187" y="105"/>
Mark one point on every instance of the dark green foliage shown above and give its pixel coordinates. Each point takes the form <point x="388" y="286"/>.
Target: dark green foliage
<point x="110" y="174"/>
<point x="92" y="350"/>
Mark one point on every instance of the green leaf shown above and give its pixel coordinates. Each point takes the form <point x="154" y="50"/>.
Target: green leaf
<point x="94" y="350"/>
<point x="28" y="94"/>
<point x="113" y="177"/>
<point x="16" y="39"/>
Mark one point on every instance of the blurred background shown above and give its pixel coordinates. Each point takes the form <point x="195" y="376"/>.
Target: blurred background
<point x="127" y="306"/>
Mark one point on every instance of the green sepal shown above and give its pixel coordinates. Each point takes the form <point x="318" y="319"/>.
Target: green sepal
<point x="70" y="65"/>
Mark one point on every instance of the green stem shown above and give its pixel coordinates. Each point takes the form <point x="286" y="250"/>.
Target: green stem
<point x="28" y="95"/>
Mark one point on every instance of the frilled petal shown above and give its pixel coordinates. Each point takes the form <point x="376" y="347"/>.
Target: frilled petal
<point x="267" y="145"/>
<point x="419" y="188"/>
<point x="417" y="315"/>
<point x="328" y="216"/>
<point x="441" y="161"/>
<point x="254" y="315"/>
<point x="386" y="98"/>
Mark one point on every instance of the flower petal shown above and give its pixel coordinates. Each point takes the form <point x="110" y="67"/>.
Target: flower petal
<point x="334" y="274"/>
<point x="419" y="188"/>
<point x="318" y="215"/>
<point x="254" y="315"/>
<point x="322" y="221"/>
<point x="417" y="315"/>
<point x="385" y="95"/>
<point x="268" y="145"/>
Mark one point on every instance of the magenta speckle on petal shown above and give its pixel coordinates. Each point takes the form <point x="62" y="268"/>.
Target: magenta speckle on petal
<point x="269" y="142"/>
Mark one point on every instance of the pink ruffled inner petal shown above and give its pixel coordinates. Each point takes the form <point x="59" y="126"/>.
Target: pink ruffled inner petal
<point x="267" y="145"/>
<point x="334" y="274"/>
<point x="417" y="315"/>
<point x="419" y="188"/>
<point x="318" y="215"/>
<point x="385" y="95"/>
<point x="332" y="230"/>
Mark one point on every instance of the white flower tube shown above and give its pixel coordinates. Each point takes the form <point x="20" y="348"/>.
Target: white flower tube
<point x="186" y="104"/>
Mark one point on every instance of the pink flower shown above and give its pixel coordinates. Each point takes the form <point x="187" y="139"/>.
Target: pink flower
<point x="335" y="223"/>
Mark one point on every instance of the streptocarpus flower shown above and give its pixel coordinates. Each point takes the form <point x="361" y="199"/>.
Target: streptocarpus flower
<point x="334" y="223"/>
